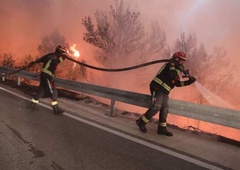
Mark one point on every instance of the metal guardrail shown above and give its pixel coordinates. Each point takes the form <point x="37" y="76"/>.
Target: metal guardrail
<point x="216" y="115"/>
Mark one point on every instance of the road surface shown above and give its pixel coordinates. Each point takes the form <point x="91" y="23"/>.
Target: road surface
<point x="40" y="140"/>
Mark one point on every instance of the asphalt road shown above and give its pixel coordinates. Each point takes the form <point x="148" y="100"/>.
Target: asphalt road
<point x="42" y="141"/>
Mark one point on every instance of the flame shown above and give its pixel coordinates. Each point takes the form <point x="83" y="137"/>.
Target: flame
<point x="74" y="52"/>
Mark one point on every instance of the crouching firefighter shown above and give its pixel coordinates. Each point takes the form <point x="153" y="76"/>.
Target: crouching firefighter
<point x="166" y="79"/>
<point x="50" y="62"/>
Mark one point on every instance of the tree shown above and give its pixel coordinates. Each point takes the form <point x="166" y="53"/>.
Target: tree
<point x="120" y="34"/>
<point x="35" y="68"/>
<point x="210" y="69"/>
<point x="51" y="41"/>
<point x="121" y="40"/>
<point x="154" y="44"/>
<point x="7" y="60"/>
<point x="26" y="60"/>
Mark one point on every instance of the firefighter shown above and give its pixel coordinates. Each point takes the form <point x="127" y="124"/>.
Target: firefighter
<point x="166" y="79"/>
<point x="50" y="62"/>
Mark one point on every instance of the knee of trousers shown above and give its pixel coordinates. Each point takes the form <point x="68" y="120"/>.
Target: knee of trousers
<point x="156" y="107"/>
<point x="164" y="110"/>
<point x="150" y="113"/>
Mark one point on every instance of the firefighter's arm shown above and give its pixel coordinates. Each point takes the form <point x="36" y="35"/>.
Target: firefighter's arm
<point x="179" y="83"/>
<point x="191" y="80"/>
<point x="41" y="59"/>
<point x="33" y="62"/>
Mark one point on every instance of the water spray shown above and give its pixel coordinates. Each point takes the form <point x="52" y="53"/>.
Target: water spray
<point x="208" y="95"/>
<point x="212" y="98"/>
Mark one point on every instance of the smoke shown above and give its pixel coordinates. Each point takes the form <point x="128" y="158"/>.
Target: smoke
<point x="215" y="23"/>
<point x="23" y="22"/>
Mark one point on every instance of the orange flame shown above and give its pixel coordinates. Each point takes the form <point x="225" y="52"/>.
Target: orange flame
<point x="74" y="52"/>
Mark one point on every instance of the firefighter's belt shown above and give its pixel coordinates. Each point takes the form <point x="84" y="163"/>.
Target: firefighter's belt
<point x="162" y="84"/>
<point x="47" y="72"/>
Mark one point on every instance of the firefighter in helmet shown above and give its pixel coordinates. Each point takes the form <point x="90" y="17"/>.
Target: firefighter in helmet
<point x="166" y="79"/>
<point x="50" y="62"/>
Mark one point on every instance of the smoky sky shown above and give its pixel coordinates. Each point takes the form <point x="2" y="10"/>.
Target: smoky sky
<point x="23" y="22"/>
<point x="214" y="22"/>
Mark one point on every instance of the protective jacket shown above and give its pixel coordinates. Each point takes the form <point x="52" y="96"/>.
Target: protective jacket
<point x="50" y="62"/>
<point x="167" y="78"/>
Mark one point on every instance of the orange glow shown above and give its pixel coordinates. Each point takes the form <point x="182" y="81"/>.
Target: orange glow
<point x="23" y="24"/>
<point x="74" y="52"/>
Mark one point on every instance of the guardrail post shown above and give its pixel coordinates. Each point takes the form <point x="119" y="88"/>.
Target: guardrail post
<point x="112" y="108"/>
<point x="18" y="81"/>
<point x="3" y="76"/>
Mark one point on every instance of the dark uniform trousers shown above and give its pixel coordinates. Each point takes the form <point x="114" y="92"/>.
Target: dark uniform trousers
<point x="159" y="103"/>
<point x="46" y="86"/>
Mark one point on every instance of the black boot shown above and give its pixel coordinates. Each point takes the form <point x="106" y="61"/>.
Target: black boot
<point x="163" y="131"/>
<point x="141" y="124"/>
<point x="57" y="110"/>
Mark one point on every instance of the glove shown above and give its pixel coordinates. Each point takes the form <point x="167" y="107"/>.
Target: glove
<point x="190" y="81"/>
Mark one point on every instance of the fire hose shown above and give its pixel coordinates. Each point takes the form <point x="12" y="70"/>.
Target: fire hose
<point x="185" y="72"/>
<point x="118" y="69"/>
<point x="98" y="68"/>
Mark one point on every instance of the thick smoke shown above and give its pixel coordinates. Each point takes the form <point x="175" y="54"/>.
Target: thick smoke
<point x="215" y="23"/>
<point x="23" y="22"/>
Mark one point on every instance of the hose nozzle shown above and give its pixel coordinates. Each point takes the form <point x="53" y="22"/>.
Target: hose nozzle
<point x="186" y="74"/>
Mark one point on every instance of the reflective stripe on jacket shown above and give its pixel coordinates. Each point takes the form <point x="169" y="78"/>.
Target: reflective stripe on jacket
<point x="50" y="62"/>
<point x="167" y="78"/>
